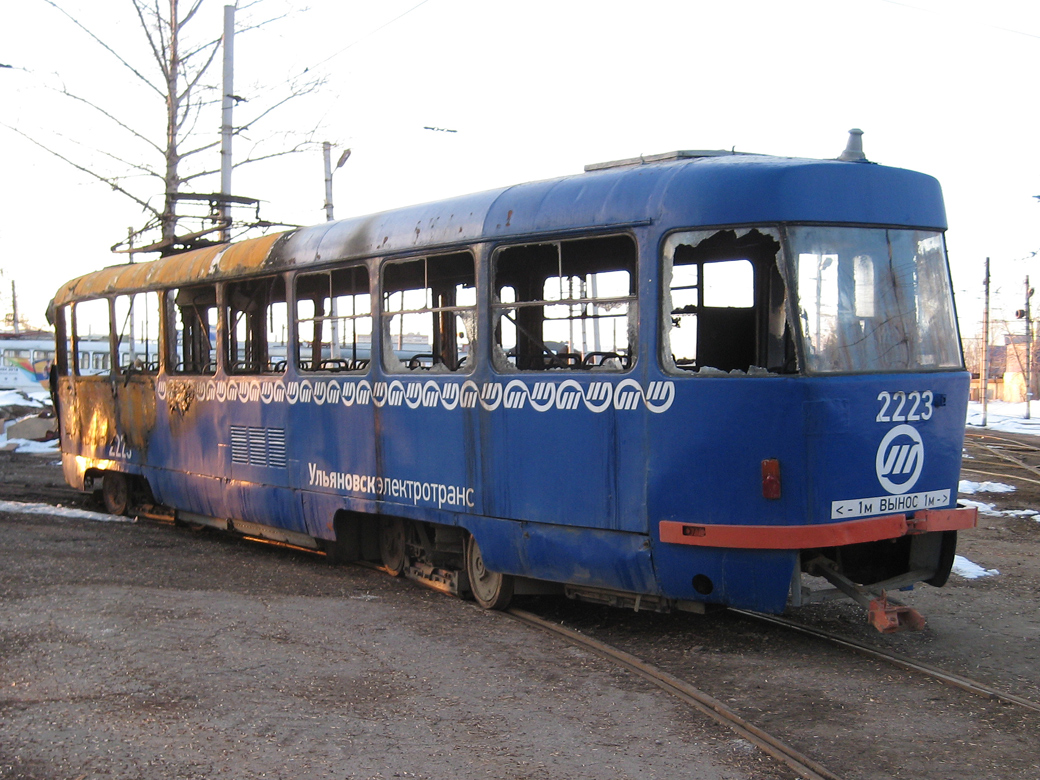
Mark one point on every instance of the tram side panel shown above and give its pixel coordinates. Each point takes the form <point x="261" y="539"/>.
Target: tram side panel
<point x="706" y="469"/>
<point x="188" y="457"/>
<point x="335" y="437"/>
<point x="564" y="468"/>
<point x="263" y="446"/>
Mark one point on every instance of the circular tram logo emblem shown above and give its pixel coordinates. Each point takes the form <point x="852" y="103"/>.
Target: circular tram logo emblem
<point x="900" y="458"/>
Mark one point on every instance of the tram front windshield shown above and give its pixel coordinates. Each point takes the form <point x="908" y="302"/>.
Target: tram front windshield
<point x="873" y="299"/>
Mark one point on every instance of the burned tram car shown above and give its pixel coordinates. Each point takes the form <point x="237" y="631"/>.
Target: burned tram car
<point x="667" y="382"/>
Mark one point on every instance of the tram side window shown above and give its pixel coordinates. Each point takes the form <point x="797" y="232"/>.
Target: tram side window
<point x="334" y="320"/>
<point x="91" y="326"/>
<point x="17" y="357"/>
<point x="192" y="342"/>
<point x="566" y="305"/>
<point x="724" y="308"/>
<point x="256" y="317"/>
<point x="137" y="328"/>
<point x="429" y="313"/>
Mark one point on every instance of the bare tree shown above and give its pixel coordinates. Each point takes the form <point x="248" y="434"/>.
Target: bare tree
<point x="178" y="71"/>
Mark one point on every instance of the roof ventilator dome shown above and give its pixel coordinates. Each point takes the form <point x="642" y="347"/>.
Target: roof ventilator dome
<point x="854" y="149"/>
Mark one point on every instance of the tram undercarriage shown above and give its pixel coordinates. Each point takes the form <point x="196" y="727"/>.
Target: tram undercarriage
<point x="448" y="559"/>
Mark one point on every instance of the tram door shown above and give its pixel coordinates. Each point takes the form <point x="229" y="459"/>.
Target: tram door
<point x="135" y="365"/>
<point x="330" y="433"/>
<point x="425" y="406"/>
<point x="188" y="451"/>
<point x="255" y="419"/>
<point x="568" y="431"/>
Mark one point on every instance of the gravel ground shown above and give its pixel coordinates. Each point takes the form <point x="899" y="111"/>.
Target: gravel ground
<point x="143" y="651"/>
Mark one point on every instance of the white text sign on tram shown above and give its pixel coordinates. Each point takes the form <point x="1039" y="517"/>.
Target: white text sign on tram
<point x="888" y="505"/>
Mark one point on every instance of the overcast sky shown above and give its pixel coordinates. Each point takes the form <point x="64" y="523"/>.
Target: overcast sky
<point x="537" y="90"/>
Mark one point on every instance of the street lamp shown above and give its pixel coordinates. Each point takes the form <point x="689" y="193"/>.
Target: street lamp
<point x="326" y="149"/>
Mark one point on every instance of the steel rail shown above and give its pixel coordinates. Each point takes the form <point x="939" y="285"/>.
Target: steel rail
<point x="908" y="664"/>
<point x="1009" y="458"/>
<point x="801" y="764"/>
<point x="1020" y="444"/>
<point x="995" y="474"/>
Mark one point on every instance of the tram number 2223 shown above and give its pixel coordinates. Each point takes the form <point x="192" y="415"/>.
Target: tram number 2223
<point x="920" y="406"/>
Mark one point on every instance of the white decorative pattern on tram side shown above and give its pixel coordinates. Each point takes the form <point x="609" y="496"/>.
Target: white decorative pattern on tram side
<point x="542" y="396"/>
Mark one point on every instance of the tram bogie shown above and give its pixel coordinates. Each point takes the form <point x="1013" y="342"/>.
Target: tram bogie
<point x="680" y="383"/>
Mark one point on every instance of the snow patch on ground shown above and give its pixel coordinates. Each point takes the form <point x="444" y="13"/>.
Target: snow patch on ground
<point x="18" y="507"/>
<point x="16" y="402"/>
<point x="971" y="571"/>
<point x="18" y="398"/>
<point x="968" y="488"/>
<point x="1002" y="416"/>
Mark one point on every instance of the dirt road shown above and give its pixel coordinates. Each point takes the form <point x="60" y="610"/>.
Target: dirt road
<point x="152" y="652"/>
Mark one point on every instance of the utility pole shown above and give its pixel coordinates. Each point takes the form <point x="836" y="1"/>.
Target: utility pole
<point x="14" y="306"/>
<point x="1029" y="347"/>
<point x="225" y="124"/>
<point x="985" y="346"/>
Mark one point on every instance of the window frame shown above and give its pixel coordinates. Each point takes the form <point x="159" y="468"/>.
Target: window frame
<point x="354" y="365"/>
<point x="442" y="338"/>
<point x="174" y="337"/>
<point x="769" y="311"/>
<point x="610" y="360"/>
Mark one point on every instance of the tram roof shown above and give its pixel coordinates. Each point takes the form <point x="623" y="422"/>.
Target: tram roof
<point x="681" y="191"/>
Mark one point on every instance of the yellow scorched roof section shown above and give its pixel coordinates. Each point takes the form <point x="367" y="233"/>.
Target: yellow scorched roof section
<point x="195" y="267"/>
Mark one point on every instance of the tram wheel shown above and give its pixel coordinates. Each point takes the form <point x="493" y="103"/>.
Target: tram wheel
<point x="492" y="590"/>
<point x="393" y="544"/>
<point x="116" y="493"/>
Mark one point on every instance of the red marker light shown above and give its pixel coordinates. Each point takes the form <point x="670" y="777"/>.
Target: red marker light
<point x="771" y="479"/>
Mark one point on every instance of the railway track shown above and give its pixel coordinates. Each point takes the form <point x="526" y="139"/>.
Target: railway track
<point x="1002" y="726"/>
<point x="801" y="764"/>
<point x="1017" y="458"/>
<point x="900" y="661"/>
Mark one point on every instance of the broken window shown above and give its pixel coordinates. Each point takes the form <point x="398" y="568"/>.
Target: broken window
<point x="191" y="344"/>
<point x="429" y="313"/>
<point x="334" y="320"/>
<point x="256" y="312"/>
<point x="66" y="357"/>
<point x="137" y="328"/>
<point x="725" y="303"/>
<point x="91" y="323"/>
<point x="565" y="304"/>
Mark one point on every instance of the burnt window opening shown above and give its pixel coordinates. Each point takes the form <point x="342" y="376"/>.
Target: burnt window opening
<point x="137" y="332"/>
<point x="725" y="307"/>
<point x="256" y="322"/>
<point x="566" y="305"/>
<point x="65" y="357"/>
<point x="191" y="347"/>
<point x="334" y="320"/>
<point x="429" y="313"/>
<point x="91" y="328"/>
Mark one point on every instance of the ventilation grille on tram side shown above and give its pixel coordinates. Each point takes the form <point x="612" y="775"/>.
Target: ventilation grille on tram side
<point x="258" y="446"/>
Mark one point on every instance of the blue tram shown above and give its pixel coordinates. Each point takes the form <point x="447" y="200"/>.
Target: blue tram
<point x="695" y="379"/>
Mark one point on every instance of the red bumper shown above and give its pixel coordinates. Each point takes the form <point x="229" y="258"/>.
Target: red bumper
<point x="802" y="537"/>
